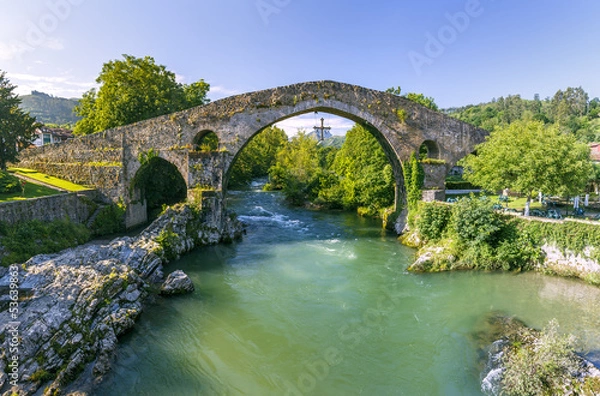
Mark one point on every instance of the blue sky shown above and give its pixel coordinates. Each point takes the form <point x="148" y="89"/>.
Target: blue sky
<point x="457" y="51"/>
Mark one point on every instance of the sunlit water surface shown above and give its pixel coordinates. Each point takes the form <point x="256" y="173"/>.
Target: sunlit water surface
<point x="321" y="303"/>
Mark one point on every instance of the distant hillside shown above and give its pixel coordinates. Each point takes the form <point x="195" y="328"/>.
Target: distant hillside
<point x="334" y="141"/>
<point x="48" y="109"/>
<point x="571" y="110"/>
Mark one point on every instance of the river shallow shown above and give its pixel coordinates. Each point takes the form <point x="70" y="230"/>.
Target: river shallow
<point x="321" y="303"/>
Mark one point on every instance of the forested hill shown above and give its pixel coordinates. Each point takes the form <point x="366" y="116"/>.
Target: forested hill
<point x="571" y="109"/>
<point x="49" y="109"/>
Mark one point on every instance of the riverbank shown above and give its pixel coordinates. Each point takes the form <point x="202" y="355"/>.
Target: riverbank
<point x="471" y="235"/>
<point x="61" y="314"/>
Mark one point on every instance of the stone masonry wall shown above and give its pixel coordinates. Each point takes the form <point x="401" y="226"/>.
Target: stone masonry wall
<point x="435" y="176"/>
<point x="72" y="205"/>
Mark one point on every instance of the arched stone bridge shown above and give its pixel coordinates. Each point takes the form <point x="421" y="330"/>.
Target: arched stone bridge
<point x="109" y="159"/>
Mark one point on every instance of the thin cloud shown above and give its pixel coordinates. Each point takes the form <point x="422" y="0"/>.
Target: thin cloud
<point x="62" y="86"/>
<point x="222" y="92"/>
<point x="10" y="51"/>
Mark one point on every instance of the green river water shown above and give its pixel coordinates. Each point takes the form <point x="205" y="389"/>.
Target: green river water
<point x="321" y="304"/>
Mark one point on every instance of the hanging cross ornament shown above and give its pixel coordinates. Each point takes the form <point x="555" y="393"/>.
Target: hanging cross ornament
<point x="322" y="129"/>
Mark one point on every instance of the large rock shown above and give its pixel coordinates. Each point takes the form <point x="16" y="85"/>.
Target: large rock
<point x="73" y="305"/>
<point x="177" y="283"/>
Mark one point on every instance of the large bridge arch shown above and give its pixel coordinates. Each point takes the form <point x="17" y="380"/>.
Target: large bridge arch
<point x="384" y="135"/>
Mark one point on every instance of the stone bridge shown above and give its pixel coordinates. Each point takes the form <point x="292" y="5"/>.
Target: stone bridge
<point x="109" y="160"/>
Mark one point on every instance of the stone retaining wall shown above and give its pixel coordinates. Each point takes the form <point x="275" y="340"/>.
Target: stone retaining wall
<point x="76" y="206"/>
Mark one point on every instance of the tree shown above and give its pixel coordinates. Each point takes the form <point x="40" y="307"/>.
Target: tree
<point x="16" y="127"/>
<point x="365" y="177"/>
<point x="297" y="170"/>
<point x="134" y="89"/>
<point x="258" y="156"/>
<point x="528" y="157"/>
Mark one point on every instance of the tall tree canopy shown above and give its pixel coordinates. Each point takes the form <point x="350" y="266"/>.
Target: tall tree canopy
<point x="528" y="157"/>
<point x="571" y="110"/>
<point x="365" y="176"/>
<point x="16" y="126"/>
<point x="297" y="169"/>
<point x="258" y="156"/>
<point x="135" y="89"/>
<point x="358" y="176"/>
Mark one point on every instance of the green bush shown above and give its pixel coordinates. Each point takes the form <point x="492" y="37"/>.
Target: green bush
<point x="433" y="220"/>
<point x="474" y="221"/>
<point x="24" y="240"/>
<point x="482" y="238"/>
<point x="110" y="220"/>
<point x="168" y="240"/>
<point x="460" y="185"/>
<point x="9" y="183"/>
<point x="571" y="236"/>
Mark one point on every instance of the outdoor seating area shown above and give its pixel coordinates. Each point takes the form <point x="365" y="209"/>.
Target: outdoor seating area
<point x="545" y="207"/>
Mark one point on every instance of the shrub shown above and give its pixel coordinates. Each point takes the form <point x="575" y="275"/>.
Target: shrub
<point x="24" y="240"/>
<point x="474" y="221"/>
<point x="459" y="185"/>
<point x="9" y="183"/>
<point x="110" y="220"/>
<point x="539" y="364"/>
<point x="168" y="240"/>
<point x="433" y="220"/>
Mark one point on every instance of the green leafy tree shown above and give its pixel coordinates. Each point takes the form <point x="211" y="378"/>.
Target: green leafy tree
<point x="297" y="169"/>
<point x="16" y="126"/>
<point x="134" y="89"/>
<point x="258" y="156"/>
<point x="366" y="179"/>
<point x="528" y="157"/>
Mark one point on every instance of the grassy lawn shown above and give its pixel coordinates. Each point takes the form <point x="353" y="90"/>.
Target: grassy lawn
<point x="31" y="191"/>
<point x="50" y="180"/>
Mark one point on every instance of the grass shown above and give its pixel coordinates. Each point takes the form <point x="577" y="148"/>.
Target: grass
<point x="49" y="180"/>
<point x="32" y="190"/>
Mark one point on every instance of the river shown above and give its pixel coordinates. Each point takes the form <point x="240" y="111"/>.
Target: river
<point x="321" y="303"/>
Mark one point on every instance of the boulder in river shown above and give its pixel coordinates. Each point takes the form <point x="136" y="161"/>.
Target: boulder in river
<point x="177" y="283"/>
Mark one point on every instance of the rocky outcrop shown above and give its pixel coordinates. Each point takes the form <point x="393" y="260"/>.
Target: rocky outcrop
<point x="177" y="283"/>
<point x="567" y="263"/>
<point x="535" y="362"/>
<point x="73" y="306"/>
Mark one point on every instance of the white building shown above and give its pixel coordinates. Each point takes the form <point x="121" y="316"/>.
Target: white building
<point x="46" y="135"/>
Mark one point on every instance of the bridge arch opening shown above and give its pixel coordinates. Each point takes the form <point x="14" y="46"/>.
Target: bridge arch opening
<point x="206" y="140"/>
<point x="159" y="183"/>
<point x="429" y="149"/>
<point x="305" y="120"/>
